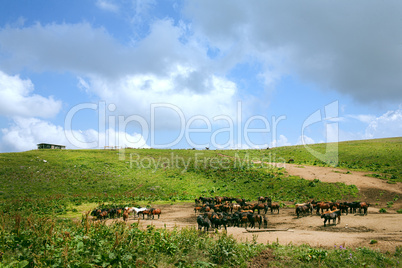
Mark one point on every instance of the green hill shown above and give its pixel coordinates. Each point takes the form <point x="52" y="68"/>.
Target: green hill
<point x="37" y="185"/>
<point x="51" y="180"/>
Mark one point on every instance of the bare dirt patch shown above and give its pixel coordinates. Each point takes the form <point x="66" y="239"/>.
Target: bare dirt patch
<point x="329" y="174"/>
<point x="262" y="260"/>
<point x="353" y="231"/>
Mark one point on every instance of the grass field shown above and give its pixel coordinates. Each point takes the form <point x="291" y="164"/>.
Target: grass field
<point x="51" y="181"/>
<point x="381" y="157"/>
<point x="41" y="191"/>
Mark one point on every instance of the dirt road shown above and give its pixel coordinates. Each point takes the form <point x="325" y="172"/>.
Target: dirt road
<point x="329" y="174"/>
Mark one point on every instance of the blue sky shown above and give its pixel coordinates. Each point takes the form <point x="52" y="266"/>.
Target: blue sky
<point x="184" y="74"/>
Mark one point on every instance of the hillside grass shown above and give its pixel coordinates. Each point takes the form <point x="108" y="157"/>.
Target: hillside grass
<point x="382" y="158"/>
<point x="51" y="181"/>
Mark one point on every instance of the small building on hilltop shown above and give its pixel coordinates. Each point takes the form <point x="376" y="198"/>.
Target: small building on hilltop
<point x="50" y="146"/>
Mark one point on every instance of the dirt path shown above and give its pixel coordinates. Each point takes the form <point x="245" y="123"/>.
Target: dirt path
<point x="328" y="174"/>
<point x="353" y="231"/>
<point x="373" y="190"/>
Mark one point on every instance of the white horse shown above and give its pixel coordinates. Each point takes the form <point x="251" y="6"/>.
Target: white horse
<point x="134" y="210"/>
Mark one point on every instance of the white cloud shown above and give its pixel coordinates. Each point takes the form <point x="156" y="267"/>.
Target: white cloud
<point x="17" y="99"/>
<point x="386" y="125"/>
<point x="183" y="65"/>
<point x="63" y="47"/>
<point x="26" y="133"/>
<point x="107" y="5"/>
<point x="135" y="94"/>
<point x="365" y="118"/>
<point x="282" y="141"/>
<point x="302" y="140"/>
<point x="140" y="10"/>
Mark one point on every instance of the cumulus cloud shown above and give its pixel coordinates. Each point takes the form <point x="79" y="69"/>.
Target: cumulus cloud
<point x="365" y="118"/>
<point x="17" y="99"/>
<point x="164" y="101"/>
<point x="25" y="133"/>
<point x="77" y="48"/>
<point x="386" y="125"/>
<point x="85" y="51"/>
<point x="303" y="140"/>
<point x="282" y="141"/>
<point x="349" y="47"/>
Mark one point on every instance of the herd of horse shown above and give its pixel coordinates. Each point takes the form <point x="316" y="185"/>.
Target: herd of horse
<point x="215" y="212"/>
<point x="117" y="212"/>
<point x="219" y="211"/>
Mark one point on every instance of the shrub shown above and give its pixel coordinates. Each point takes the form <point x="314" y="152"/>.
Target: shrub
<point x="383" y="210"/>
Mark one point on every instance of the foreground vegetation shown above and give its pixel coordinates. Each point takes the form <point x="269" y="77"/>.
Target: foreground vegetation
<point x="34" y="241"/>
<point x="39" y="188"/>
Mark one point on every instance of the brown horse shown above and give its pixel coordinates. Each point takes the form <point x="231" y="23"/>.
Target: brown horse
<point x="197" y="209"/>
<point x="125" y="215"/>
<point x="274" y="206"/>
<point x="364" y="206"/>
<point x="303" y="209"/>
<point x="322" y="206"/>
<point x="155" y="211"/>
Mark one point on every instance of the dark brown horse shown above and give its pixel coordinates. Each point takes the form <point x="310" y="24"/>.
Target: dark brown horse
<point x="322" y="206"/>
<point x="274" y="206"/>
<point x="155" y="211"/>
<point x="331" y="215"/>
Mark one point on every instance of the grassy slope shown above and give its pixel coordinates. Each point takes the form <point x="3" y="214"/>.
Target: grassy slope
<point x="52" y="180"/>
<point x="381" y="157"/>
